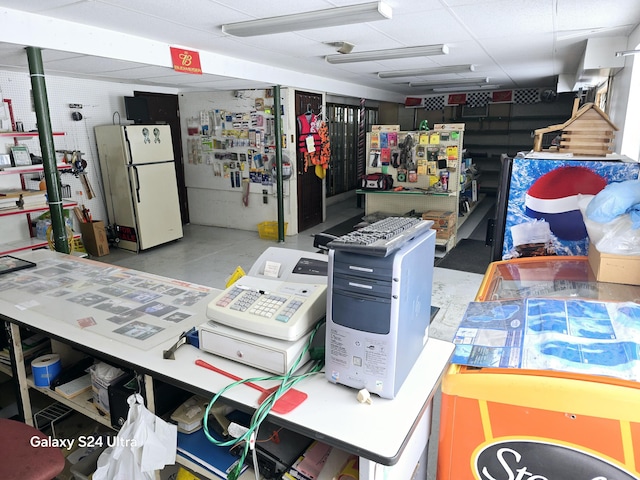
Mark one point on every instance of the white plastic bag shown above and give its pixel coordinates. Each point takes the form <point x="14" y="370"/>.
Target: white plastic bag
<point x="617" y="237"/>
<point x="144" y="444"/>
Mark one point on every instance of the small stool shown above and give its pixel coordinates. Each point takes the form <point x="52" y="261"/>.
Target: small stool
<point x="21" y="459"/>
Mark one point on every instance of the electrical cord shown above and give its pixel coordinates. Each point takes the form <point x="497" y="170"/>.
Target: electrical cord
<point x="287" y="381"/>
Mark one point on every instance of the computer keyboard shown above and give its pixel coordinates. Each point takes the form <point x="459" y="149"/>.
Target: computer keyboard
<point x="382" y="237"/>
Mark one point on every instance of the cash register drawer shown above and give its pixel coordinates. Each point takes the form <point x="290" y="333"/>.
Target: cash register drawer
<point x="269" y="354"/>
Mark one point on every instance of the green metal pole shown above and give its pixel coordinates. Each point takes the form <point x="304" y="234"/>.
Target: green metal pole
<point x="52" y="179"/>
<point x="278" y="129"/>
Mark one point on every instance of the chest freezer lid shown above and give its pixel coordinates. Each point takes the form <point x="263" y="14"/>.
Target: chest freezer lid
<point x="553" y="276"/>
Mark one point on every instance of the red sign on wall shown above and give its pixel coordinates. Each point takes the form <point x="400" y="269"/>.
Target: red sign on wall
<point x="502" y="96"/>
<point x="186" y="61"/>
<point x="412" y="102"/>
<point x="457" y="99"/>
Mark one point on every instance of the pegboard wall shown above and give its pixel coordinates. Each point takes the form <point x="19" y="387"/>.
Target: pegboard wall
<point x="102" y="104"/>
<point x="214" y="199"/>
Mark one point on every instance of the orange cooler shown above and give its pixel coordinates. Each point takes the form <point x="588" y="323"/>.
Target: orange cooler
<point x="519" y="424"/>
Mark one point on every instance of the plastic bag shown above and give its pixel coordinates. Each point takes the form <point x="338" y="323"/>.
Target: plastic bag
<point x="614" y="200"/>
<point x="144" y="444"/>
<point x="620" y="238"/>
<point x="617" y="237"/>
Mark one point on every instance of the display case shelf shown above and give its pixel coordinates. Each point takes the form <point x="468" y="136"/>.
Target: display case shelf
<point x="33" y="209"/>
<point x="434" y="154"/>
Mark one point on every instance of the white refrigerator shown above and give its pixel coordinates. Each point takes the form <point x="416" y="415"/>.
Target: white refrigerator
<point x="140" y="186"/>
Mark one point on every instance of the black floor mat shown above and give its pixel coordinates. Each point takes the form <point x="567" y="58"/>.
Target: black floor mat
<point x="344" y="227"/>
<point x="480" y="232"/>
<point x="468" y="256"/>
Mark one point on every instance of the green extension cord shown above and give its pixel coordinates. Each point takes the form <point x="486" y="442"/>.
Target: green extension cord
<point x="287" y="381"/>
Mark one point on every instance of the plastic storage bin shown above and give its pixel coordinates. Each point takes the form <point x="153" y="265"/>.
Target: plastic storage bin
<point x="269" y="230"/>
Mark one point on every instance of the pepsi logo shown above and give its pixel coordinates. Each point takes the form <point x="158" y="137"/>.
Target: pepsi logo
<point x="554" y="198"/>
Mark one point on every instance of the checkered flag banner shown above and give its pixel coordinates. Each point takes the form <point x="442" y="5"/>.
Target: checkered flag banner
<point x="526" y="95"/>
<point x="478" y="99"/>
<point x="433" y="103"/>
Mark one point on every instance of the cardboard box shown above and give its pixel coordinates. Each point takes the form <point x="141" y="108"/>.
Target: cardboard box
<point x="449" y="126"/>
<point x="444" y="223"/>
<point x="103" y="375"/>
<point x="94" y="238"/>
<point x="614" y="268"/>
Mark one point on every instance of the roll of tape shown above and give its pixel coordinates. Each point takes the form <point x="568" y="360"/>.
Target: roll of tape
<point x="45" y="369"/>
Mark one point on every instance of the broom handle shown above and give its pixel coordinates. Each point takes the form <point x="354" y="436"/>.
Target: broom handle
<point x="202" y="363"/>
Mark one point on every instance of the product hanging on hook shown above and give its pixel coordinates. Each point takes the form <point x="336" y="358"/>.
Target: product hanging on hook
<point x="313" y="143"/>
<point x="245" y="191"/>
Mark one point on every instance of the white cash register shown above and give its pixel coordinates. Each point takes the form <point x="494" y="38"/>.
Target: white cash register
<point x="266" y="317"/>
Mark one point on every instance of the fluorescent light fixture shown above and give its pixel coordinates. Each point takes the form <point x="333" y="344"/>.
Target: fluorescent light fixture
<point x="467" y="88"/>
<point x="417" y="72"/>
<point x="452" y="83"/>
<point x="625" y="53"/>
<point x="391" y="54"/>
<point x="332" y="17"/>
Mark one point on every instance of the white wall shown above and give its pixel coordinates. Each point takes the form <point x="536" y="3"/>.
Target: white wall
<point x="102" y="103"/>
<point x="212" y="199"/>
<point x="624" y="101"/>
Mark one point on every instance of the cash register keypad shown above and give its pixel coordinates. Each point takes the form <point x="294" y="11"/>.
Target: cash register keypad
<point x="257" y="303"/>
<point x="288" y="311"/>
<point x="245" y="299"/>
<point x="267" y="305"/>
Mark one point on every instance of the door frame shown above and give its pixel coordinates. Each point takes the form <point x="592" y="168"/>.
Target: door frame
<point x="165" y="108"/>
<point x="310" y="188"/>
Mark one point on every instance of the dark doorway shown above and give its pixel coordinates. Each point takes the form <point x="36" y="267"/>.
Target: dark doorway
<point x="309" y="184"/>
<point x="163" y="108"/>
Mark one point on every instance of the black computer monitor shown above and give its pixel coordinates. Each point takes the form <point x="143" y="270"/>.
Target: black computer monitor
<point x="137" y="109"/>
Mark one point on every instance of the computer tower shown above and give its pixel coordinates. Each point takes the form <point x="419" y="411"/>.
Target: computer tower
<point x="378" y="313"/>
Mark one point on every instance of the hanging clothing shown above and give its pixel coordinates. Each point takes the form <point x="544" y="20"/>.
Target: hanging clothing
<point x="324" y="157"/>
<point x="313" y="142"/>
<point x="308" y="127"/>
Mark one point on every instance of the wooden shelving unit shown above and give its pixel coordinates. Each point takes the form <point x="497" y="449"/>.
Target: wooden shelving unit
<point x="81" y="403"/>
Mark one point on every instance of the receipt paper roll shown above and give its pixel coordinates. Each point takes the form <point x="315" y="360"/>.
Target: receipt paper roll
<point x="45" y="369"/>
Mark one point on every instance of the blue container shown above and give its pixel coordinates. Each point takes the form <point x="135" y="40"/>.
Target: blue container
<point x="45" y="369"/>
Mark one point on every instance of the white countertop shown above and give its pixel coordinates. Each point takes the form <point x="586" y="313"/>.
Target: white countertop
<point x="331" y="413"/>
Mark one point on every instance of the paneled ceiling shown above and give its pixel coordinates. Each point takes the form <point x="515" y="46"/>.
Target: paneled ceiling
<point x="514" y="43"/>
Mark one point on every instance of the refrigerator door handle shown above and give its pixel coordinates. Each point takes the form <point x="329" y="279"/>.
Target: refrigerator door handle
<point x="135" y="170"/>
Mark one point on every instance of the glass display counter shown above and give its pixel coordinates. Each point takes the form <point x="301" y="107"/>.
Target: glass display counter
<point x="558" y="277"/>
<point x="517" y="423"/>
